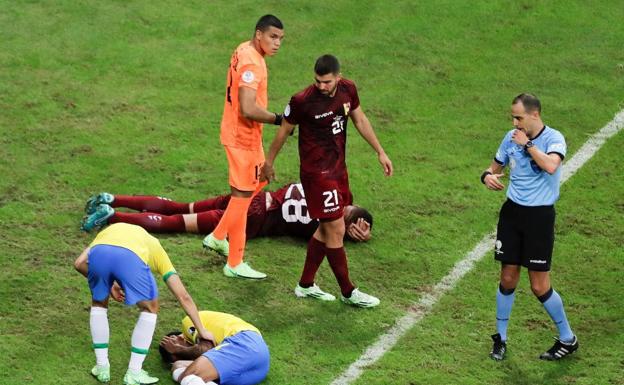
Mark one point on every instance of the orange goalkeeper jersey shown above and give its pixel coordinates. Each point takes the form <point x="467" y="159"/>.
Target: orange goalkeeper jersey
<point x="247" y="69"/>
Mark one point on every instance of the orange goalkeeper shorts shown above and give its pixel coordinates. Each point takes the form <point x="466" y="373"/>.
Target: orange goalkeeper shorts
<point x="244" y="167"/>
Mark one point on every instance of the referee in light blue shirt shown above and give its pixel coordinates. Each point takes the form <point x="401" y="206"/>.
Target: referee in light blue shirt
<point x="525" y="234"/>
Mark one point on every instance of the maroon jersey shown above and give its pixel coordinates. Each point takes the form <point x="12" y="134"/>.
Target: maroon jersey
<point x="288" y="214"/>
<point x="322" y="124"/>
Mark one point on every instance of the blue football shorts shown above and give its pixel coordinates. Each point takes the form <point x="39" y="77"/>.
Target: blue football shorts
<point x="108" y="263"/>
<point x="242" y="359"/>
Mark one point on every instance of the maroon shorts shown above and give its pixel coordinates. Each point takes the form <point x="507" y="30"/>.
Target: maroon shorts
<point x="326" y="196"/>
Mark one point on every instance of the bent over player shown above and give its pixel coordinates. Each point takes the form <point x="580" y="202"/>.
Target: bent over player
<point x="525" y="234"/>
<point x="322" y="111"/>
<point x="118" y="262"/>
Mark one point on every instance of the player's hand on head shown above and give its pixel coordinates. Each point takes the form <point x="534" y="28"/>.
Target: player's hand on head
<point x="206" y="335"/>
<point x="171" y="344"/>
<point x="117" y="292"/>
<point x="360" y="230"/>
<point x="386" y="163"/>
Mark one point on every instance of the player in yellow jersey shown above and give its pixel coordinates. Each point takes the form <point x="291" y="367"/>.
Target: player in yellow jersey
<point x="119" y="263"/>
<point x="244" y="112"/>
<point x="240" y="357"/>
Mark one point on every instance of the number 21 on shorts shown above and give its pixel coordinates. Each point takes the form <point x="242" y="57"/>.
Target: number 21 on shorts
<point x="331" y="198"/>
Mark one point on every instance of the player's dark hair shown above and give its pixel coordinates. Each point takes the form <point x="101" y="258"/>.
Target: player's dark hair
<point x="327" y="64"/>
<point x="529" y="101"/>
<point x="268" y="21"/>
<point x="166" y="356"/>
<point x="359" y="212"/>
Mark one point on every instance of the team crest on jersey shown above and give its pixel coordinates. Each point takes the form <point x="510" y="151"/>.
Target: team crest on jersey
<point x="287" y="110"/>
<point x="248" y="76"/>
<point x="347" y="108"/>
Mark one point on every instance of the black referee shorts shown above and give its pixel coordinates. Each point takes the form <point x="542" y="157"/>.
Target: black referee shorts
<point x="525" y="236"/>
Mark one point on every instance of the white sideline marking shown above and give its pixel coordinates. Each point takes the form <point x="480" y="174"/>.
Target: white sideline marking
<point x="423" y="306"/>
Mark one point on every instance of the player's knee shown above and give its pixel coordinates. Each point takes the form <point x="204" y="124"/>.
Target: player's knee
<point x="539" y="289"/>
<point x="149" y="306"/>
<point x="508" y="281"/>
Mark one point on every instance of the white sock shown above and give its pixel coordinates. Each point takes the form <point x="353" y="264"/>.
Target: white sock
<point x="192" y="380"/>
<point x="177" y="373"/>
<point x="100" y="333"/>
<point x="141" y="339"/>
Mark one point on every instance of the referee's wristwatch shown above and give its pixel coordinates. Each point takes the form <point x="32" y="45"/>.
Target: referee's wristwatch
<point x="528" y="145"/>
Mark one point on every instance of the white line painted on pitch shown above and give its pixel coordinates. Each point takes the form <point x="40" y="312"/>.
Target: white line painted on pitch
<point x="423" y="306"/>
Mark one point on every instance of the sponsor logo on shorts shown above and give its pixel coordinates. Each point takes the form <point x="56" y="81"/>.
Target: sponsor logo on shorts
<point x="538" y="261"/>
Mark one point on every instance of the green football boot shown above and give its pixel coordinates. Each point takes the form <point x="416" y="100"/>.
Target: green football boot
<point x="97" y="200"/>
<point x="98" y="219"/>
<point x="221" y="246"/>
<point x="138" y="378"/>
<point x="101" y="373"/>
<point x="242" y="270"/>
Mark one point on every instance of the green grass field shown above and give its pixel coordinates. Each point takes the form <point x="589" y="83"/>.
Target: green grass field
<point x="126" y="97"/>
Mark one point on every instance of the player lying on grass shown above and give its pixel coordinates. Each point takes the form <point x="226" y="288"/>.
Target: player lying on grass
<point x="272" y="213"/>
<point x="241" y="357"/>
<point x="118" y="263"/>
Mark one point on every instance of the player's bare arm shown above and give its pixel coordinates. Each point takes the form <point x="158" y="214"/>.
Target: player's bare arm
<point x="491" y="176"/>
<point x="364" y="127"/>
<point x="251" y="110"/>
<point x="81" y="264"/>
<point x="285" y="129"/>
<point x="177" y="288"/>
<point x="547" y="162"/>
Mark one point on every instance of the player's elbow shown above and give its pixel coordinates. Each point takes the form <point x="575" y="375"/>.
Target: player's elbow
<point x="247" y="112"/>
<point x="77" y="264"/>
<point x="551" y="169"/>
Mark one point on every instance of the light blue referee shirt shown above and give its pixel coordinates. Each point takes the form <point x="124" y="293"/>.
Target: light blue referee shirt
<point x="529" y="185"/>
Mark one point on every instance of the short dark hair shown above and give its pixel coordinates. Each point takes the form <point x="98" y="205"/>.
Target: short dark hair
<point x="267" y="21"/>
<point x="327" y="64"/>
<point x="529" y="101"/>
<point x="166" y="356"/>
<point x="359" y="212"/>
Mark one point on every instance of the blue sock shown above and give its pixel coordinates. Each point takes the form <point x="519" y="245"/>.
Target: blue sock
<point x="504" y="302"/>
<point x="554" y="306"/>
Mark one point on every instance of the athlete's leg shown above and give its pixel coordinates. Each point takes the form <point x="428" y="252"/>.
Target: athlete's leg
<point x="314" y="258"/>
<point x="154" y="204"/>
<point x="143" y="333"/>
<point x="100" y="335"/>
<point x="152" y="222"/>
<point x="332" y="232"/>
<point x="509" y="276"/>
<point x="203" y="368"/>
<point x="552" y="302"/>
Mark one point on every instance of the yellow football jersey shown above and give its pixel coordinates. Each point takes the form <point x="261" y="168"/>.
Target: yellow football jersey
<point x="221" y="325"/>
<point x="139" y="241"/>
